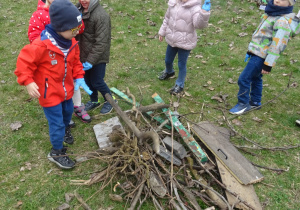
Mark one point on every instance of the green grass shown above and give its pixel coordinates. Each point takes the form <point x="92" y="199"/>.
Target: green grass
<point x="135" y="63"/>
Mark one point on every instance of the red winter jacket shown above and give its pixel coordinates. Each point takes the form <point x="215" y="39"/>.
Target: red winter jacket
<point x="43" y="63"/>
<point x="39" y="19"/>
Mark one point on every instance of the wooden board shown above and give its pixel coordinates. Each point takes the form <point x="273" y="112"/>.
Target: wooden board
<point x="188" y="139"/>
<point x="227" y="154"/>
<point x="245" y="192"/>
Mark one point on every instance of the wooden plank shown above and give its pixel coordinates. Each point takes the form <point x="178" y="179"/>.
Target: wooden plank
<point x="188" y="139"/>
<point x="128" y="100"/>
<point x="227" y="154"/>
<point x="245" y="192"/>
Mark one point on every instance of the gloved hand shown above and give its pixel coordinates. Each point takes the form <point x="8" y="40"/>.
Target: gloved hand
<point x="206" y="6"/>
<point x="81" y="82"/>
<point x="87" y="66"/>
<point x="247" y="57"/>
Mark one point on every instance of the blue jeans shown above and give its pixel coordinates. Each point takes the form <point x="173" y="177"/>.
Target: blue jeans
<point x="250" y="81"/>
<point x="58" y="117"/>
<point x="94" y="78"/>
<point x="182" y="60"/>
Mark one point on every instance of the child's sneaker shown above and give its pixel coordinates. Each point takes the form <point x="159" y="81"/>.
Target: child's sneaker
<point x="176" y="90"/>
<point x="91" y="105"/>
<point x="60" y="158"/>
<point x="81" y="113"/>
<point x="68" y="138"/>
<point x="107" y="108"/>
<point x="298" y="122"/>
<point x="166" y="75"/>
<point x="240" y="108"/>
<point x="255" y="105"/>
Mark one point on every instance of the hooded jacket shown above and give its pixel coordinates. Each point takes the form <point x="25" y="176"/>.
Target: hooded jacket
<point x="53" y="72"/>
<point x="39" y="19"/>
<point x="271" y="37"/>
<point x="95" y="42"/>
<point x="181" y="21"/>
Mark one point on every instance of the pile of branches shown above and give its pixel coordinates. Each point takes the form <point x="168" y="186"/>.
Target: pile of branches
<point x="147" y="176"/>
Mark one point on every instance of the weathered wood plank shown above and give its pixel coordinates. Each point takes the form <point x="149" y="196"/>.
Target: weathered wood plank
<point x="245" y="192"/>
<point x="227" y="154"/>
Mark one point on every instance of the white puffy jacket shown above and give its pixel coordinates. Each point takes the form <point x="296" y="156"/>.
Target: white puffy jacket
<point x="181" y="21"/>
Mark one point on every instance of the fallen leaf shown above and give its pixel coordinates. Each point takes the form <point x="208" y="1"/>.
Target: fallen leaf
<point x="237" y="122"/>
<point x="115" y="197"/>
<point x="243" y="34"/>
<point x="16" y="125"/>
<point x="209" y="82"/>
<point x="230" y="80"/>
<point x="69" y="197"/>
<point x="265" y="85"/>
<point x="294" y="84"/>
<point x="285" y="75"/>
<point x="19" y="204"/>
<point x="257" y="119"/>
<point x="204" y="62"/>
<point x="187" y="94"/>
<point x="139" y="34"/>
<point x="64" y="206"/>
<point x="198" y="56"/>
<point x="217" y="98"/>
<point x="3" y="81"/>
<point x="211" y="88"/>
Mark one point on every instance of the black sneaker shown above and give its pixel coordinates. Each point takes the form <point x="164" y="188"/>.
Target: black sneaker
<point x="298" y="122"/>
<point x="176" y="90"/>
<point x="165" y="75"/>
<point x="91" y="105"/>
<point x="60" y="158"/>
<point x="107" y="108"/>
<point x="68" y="138"/>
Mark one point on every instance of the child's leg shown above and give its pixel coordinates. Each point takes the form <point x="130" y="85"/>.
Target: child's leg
<point x="57" y="123"/>
<point x="88" y="78"/>
<point x="67" y="111"/>
<point x="251" y="72"/>
<point x="170" y="56"/>
<point x="77" y="97"/>
<point x="182" y="60"/>
<point x="256" y="89"/>
<point x="97" y="79"/>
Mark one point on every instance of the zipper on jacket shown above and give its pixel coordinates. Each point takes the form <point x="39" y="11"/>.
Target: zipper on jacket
<point x="46" y="87"/>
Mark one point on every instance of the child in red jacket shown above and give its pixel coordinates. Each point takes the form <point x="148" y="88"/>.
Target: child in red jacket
<point x="37" y="23"/>
<point x="47" y="68"/>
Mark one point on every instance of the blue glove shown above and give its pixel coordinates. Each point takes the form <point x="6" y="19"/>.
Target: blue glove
<point x="206" y="6"/>
<point x="247" y="57"/>
<point x="87" y="66"/>
<point x="81" y="82"/>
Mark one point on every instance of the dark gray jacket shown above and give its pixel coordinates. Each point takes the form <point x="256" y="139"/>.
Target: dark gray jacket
<point x="94" y="42"/>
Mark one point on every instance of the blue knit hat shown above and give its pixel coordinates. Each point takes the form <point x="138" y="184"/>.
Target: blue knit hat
<point x="64" y="15"/>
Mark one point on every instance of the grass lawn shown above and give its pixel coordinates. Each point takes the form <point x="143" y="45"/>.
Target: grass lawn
<point x="29" y="181"/>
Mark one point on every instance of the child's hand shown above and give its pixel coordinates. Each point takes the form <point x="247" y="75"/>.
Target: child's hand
<point x="206" y="6"/>
<point x="161" y="38"/>
<point x="33" y="90"/>
<point x="265" y="72"/>
<point x="81" y="82"/>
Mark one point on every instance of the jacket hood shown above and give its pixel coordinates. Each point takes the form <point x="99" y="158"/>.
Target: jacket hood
<point x="93" y="4"/>
<point x="189" y="3"/>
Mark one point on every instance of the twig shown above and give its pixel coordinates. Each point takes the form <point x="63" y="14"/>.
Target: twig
<point x="271" y="169"/>
<point x="82" y="202"/>
<point x="137" y="196"/>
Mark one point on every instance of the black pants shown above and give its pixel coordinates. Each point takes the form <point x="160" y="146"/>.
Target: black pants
<point x="94" y="78"/>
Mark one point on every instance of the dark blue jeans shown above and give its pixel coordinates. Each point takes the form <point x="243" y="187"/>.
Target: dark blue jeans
<point x="182" y="60"/>
<point x="250" y="81"/>
<point x="94" y="78"/>
<point x="58" y="117"/>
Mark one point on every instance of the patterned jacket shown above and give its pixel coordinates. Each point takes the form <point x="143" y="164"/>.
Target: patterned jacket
<point x="271" y="37"/>
<point x="181" y="21"/>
